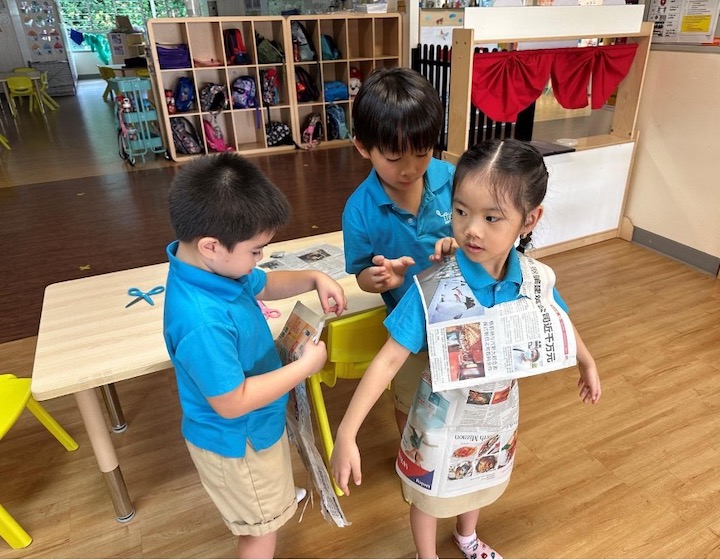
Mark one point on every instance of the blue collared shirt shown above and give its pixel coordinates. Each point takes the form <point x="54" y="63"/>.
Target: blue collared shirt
<point x="217" y="336"/>
<point x="373" y="225"/>
<point x="406" y="324"/>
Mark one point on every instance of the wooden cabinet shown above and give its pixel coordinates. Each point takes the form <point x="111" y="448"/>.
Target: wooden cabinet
<point x="365" y="42"/>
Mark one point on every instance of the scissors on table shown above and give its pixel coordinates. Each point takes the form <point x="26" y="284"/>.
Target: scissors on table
<point x="267" y="312"/>
<point x="144" y="295"/>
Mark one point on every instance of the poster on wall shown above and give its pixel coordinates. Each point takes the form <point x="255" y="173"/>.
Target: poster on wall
<point x="41" y="27"/>
<point x="683" y="21"/>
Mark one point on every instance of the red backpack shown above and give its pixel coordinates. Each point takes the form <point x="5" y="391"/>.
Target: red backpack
<point x="235" y="50"/>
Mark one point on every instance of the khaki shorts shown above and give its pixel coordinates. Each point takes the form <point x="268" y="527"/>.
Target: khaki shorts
<point x="450" y="507"/>
<point x="256" y="493"/>
<point x="407" y="380"/>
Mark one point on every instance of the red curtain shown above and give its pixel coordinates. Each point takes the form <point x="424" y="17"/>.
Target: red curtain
<point x="505" y="83"/>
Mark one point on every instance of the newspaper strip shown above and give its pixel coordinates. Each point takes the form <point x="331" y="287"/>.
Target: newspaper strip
<point x="461" y="432"/>
<point x="470" y="344"/>
<point x="304" y="325"/>
<point x="325" y="258"/>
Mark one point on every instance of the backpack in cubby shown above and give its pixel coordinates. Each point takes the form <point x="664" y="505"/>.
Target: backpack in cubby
<point x="235" y="50"/>
<point x="305" y="86"/>
<point x="213" y="98"/>
<point x="278" y="134"/>
<point x="214" y="136"/>
<point x="312" y="130"/>
<point x="268" y="52"/>
<point x="184" y="94"/>
<point x="335" y="90"/>
<point x="185" y="137"/>
<point x="336" y="127"/>
<point x="269" y="87"/>
<point x="244" y="95"/>
<point x="329" y="48"/>
<point x="303" y="48"/>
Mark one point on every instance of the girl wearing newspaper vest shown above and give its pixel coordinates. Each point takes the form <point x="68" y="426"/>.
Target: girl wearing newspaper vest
<point x="457" y="450"/>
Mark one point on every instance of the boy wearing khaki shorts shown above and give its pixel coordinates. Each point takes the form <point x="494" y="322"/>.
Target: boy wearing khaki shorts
<point x="233" y="389"/>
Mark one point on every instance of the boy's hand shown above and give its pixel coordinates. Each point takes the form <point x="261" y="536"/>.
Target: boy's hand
<point x="313" y="356"/>
<point x="332" y="296"/>
<point x="388" y="274"/>
<point x="345" y="460"/>
<point x="589" y="383"/>
<point x="443" y="247"/>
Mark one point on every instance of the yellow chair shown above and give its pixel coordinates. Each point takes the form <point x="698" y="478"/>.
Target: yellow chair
<point x="4" y="142"/>
<point x="21" y="87"/>
<point x="142" y="73"/>
<point x="106" y="73"/>
<point x="46" y="97"/>
<point x="352" y="342"/>
<point x="23" y="69"/>
<point x="15" y="397"/>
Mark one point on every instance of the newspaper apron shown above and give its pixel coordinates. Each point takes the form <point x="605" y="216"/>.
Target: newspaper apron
<point x="461" y="432"/>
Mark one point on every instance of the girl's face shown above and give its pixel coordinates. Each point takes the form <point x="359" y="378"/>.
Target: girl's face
<point x="399" y="172"/>
<point x="486" y="228"/>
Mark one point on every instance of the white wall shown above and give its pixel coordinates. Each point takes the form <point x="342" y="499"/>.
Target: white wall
<point x="675" y="186"/>
<point x="86" y="63"/>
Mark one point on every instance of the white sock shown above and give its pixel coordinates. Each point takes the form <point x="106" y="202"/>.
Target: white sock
<point x="463" y="539"/>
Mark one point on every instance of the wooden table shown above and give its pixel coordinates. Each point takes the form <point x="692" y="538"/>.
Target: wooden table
<point x="88" y="339"/>
<point x="35" y="76"/>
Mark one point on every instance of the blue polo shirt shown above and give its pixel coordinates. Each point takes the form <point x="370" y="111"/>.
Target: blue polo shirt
<point x="217" y="336"/>
<point x="373" y="225"/>
<point x="406" y="324"/>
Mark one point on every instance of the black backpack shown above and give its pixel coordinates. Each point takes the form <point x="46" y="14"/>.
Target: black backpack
<point x="305" y="85"/>
<point x="303" y="48"/>
<point x="185" y="137"/>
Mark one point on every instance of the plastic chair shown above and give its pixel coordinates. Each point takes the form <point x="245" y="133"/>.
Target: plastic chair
<point x="142" y="73"/>
<point x="15" y="397"/>
<point x="352" y="342"/>
<point x="21" y="87"/>
<point x="23" y="69"/>
<point x="4" y="142"/>
<point x="107" y="73"/>
<point x="46" y="97"/>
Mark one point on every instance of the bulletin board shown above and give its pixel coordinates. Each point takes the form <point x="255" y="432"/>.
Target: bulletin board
<point x="683" y="21"/>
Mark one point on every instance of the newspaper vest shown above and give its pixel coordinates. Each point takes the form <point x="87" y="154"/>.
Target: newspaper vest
<point x="461" y="432"/>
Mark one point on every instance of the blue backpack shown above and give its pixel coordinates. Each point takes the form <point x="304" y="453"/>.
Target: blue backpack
<point x="336" y="128"/>
<point x="184" y="94"/>
<point x="244" y="94"/>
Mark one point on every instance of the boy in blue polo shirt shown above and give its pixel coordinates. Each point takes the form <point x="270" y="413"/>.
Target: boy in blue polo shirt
<point x="232" y="386"/>
<point x="393" y="220"/>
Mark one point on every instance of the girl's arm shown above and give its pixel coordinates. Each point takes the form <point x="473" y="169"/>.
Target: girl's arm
<point x="589" y="382"/>
<point x="282" y="284"/>
<point x="345" y="458"/>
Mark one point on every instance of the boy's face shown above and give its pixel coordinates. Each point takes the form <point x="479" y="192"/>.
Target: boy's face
<point x="242" y="259"/>
<point x="398" y="172"/>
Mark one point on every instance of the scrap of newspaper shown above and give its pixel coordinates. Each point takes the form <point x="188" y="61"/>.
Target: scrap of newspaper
<point x="471" y="344"/>
<point x="325" y="258"/>
<point x="304" y="325"/>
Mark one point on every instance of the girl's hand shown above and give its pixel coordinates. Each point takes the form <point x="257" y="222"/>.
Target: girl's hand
<point x="345" y="460"/>
<point x="388" y="274"/>
<point x="444" y="247"/>
<point x="589" y="383"/>
<point x="313" y="357"/>
<point x="332" y="296"/>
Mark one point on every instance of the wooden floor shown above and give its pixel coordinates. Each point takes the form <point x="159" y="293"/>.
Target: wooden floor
<point x="634" y="477"/>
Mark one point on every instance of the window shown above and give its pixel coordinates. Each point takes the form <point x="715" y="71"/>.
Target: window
<point x="98" y="16"/>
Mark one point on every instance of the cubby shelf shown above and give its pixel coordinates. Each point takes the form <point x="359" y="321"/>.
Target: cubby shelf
<point x="365" y="42"/>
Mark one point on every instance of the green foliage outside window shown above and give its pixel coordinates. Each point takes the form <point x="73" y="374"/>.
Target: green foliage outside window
<point x="99" y="15"/>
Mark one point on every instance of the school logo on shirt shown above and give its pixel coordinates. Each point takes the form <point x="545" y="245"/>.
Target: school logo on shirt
<point x="446" y="216"/>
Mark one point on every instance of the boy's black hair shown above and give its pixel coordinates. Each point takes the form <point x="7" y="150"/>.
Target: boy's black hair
<point x="227" y="197"/>
<point x="513" y="170"/>
<point x="397" y="110"/>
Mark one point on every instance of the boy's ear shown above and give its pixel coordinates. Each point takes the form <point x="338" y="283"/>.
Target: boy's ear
<point x="208" y="247"/>
<point x="360" y="148"/>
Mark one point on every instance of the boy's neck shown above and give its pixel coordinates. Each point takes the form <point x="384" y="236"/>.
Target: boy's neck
<point x="407" y="199"/>
<point x="188" y="253"/>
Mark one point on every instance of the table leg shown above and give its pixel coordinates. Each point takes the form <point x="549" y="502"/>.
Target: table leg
<point x="112" y="403"/>
<point x="11" y="103"/>
<point x="105" y="455"/>
<point x="38" y="89"/>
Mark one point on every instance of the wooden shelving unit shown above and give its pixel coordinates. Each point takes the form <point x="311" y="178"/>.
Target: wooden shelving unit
<point x="365" y="41"/>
